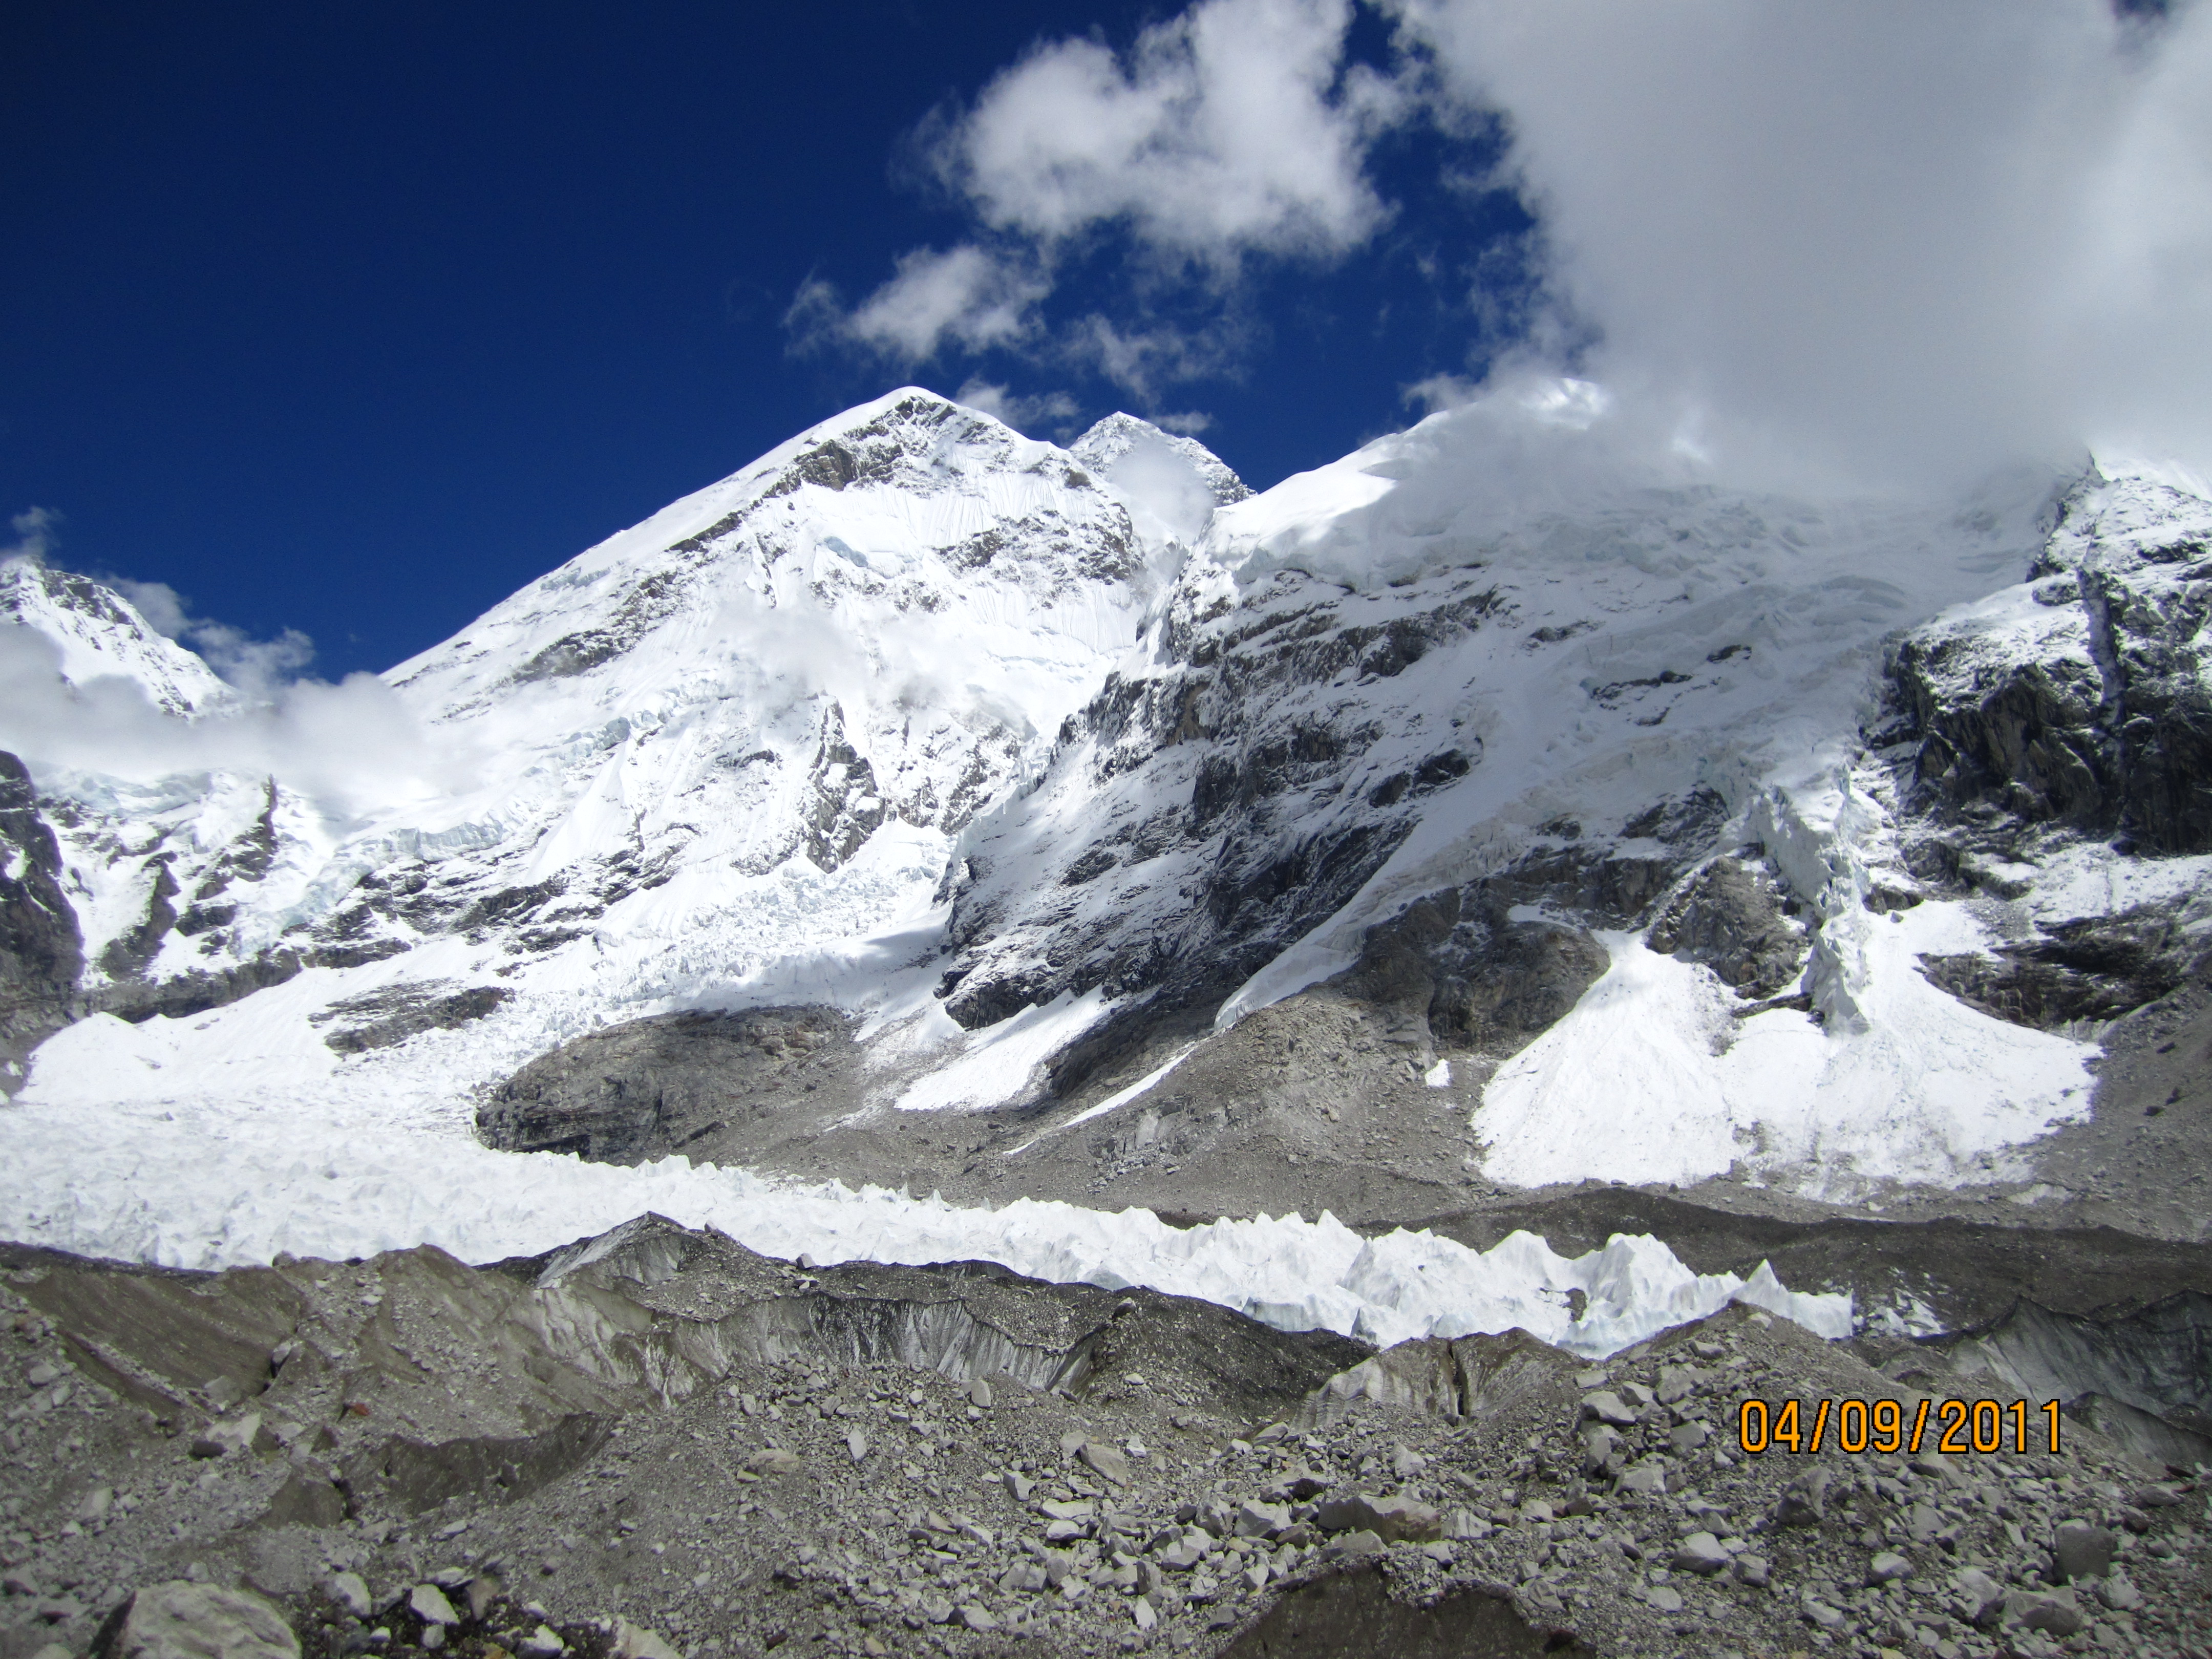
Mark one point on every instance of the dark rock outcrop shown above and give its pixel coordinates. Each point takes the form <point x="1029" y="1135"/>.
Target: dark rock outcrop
<point x="642" y="1089"/>
<point x="2097" y="717"/>
<point x="41" y="950"/>
<point x="379" y="1018"/>
<point x="2095" y="969"/>
<point x="1733" y="918"/>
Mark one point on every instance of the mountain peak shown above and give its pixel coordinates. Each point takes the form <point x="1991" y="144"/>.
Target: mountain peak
<point x="1120" y="434"/>
<point x="99" y="635"/>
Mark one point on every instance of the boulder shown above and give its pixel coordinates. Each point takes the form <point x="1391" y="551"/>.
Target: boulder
<point x="2081" y="1549"/>
<point x="180" y="1619"/>
<point x="1607" y="1406"/>
<point x="1648" y="1479"/>
<point x="1887" y="1567"/>
<point x="1255" y="1519"/>
<point x="1395" y="1520"/>
<point x="1700" y="1552"/>
<point x="1105" y="1461"/>
<point x="2055" y="1613"/>
<point x="636" y="1642"/>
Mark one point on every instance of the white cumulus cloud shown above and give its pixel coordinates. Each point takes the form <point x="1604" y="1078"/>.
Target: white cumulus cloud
<point x="1885" y="242"/>
<point x="1232" y="127"/>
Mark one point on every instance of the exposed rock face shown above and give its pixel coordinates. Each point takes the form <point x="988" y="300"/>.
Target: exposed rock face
<point x="2095" y="968"/>
<point x="1226" y="777"/>
<point x="653" y="1086"/>
<point x="378" y="1019"/>
<point x="1732" y="917"/>
<point x="2089" y="708"/>
<point x="1478" y="980"/>
<point x="41" y="951"/>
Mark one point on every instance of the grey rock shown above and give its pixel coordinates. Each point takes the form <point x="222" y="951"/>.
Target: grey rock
<point x="2081" y="1549"/>
<point x="1700" y="1552"/>
<point x="1677" y="1382"/>
<point x="180" y="1619"/>
<point x="1600" y="1445"/>
<point x="1687" y="1437"/>
<point x="1255" y="1519"/>
<point x="1804" y="1502"/>
<point x="2119" y="1592"/>
<point x="428" y="1603"/>
<point x="1982" y="1598"/>
<point x="1395" y="1520"/>
<point x="1752" y="1569"/>
<point x="1107" y="1461"/>
<point x="1647" y="1479"/>
<point x="1607" y="1406"/>
<point x="350" y="1591"/>
<point x="636" y="1642"/>
<point x="2055" y="1613"/>
<point x="1887" y="1567"/>
<point x="543" y="1642"/>
<point x="1665" y="1597"/>
<point x="1352" y="1544"/>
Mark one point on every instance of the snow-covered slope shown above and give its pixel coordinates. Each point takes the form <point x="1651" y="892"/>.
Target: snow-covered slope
<point x="689" y="761"/>
<point x="95" y="633"/>
<point x="1665" y="829"/>
<point x="1481" y="704"/>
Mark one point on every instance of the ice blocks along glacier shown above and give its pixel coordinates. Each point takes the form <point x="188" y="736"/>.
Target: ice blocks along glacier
<point x="217" y="1188"/>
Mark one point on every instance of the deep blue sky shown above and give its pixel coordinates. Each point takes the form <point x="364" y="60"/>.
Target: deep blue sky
<point x="352" y="318"/>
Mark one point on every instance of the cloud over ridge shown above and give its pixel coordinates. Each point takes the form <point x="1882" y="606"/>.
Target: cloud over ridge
<point x="1883" y="245"/>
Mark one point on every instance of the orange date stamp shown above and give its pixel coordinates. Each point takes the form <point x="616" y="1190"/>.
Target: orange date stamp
<point x="1955" y="1427"/>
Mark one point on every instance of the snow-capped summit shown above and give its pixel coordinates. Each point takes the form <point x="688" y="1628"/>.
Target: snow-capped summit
<point x="99" y="634"/>
<point x="1108" y="443"/>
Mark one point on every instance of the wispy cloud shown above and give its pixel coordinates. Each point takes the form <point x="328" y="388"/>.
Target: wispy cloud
<point x="1047" y="411"/>
<point x="259" y="668"/>
<point x="968" y="296"/>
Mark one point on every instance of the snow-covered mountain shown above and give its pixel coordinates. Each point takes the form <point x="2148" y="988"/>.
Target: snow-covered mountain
<point x="926" y="803"/>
